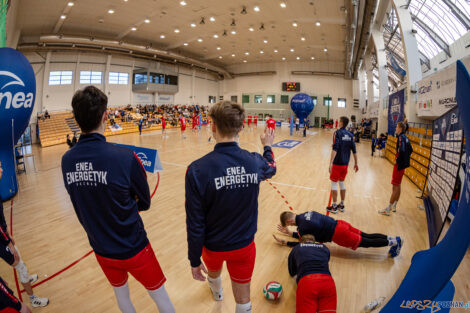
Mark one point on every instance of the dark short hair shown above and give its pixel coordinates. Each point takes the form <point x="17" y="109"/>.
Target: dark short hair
<point x="285" y="216"/>
<point x="401" y="125"/>
<point x="89" y="105"/>
<point x="228" y="117"/>
<point x="344" y="120"/>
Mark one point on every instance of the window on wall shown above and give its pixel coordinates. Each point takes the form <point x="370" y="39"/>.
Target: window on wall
<point x="60" y="77"/>
<point x="212" y="99"/>
<point x="234" y="99"/>
<point x="140" y="79"/>
<point x="90" y="77"/>
<point x="258" y="99"/>
<point x="116" y="78"/>
<point x="327" y="101"/>
<point x="284" y="99"/>
<point x="341" y="102"/>
<point x="245" y="99"/>
<point x="271" y="99"/>
<point x="314" y="99"/>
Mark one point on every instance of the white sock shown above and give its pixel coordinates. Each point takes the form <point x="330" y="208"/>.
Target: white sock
<point x="123" y="299"/>
<point x="342" y="202"/>
<point x="243" y="308"/>
<point x="390" y="205"/>
<point x="392" y="241"/>
<point x="334" y="204"/>
<point x="216" y="287"/>
<point x="394" y="204"/>
<point x="160" y="297"/>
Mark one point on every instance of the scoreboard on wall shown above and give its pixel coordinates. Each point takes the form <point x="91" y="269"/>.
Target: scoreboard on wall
<point x="290" y="86"/>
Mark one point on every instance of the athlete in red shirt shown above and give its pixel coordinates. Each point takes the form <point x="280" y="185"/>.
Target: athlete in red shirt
<point x="163" y="126"/>
<point x="183" y="126"/>
<point x="271" y="123"/>
<point x="256" y="120"/>
<point x="249" y="121"/>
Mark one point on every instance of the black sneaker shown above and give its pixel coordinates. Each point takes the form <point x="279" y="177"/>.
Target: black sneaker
<point x="332" y="209"/>
<point x="340" y="207"/>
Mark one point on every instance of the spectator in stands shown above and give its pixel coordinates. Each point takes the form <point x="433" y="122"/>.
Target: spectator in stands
<point x="69" y="142"/>
<point x="46" y="115"/>
<point x="141" y="122"/>
<point x="405" y="121"/>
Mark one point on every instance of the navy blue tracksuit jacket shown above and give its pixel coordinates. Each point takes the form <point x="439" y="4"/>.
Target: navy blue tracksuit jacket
<point x="222" y="198"/>
<point x="309" y="258"/>
<point x="343" y="144"/>
<point x="404" y="151"/>
<point x="104" y="182"/>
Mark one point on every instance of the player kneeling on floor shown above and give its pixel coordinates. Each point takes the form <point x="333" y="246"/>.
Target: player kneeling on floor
<point x="222" y="205"/>
<point x="327" y="229"/>
<point x="316" y="290"/>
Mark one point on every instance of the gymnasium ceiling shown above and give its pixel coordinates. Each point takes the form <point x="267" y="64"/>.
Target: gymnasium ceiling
<point x="320" y="26"/>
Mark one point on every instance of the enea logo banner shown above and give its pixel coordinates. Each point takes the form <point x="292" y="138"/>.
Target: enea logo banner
<point x="17" y="96"/>
<point x="148" y="157"/>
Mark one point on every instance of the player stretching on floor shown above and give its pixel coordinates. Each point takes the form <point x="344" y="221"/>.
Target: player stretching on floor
<point x="222" y="205"/>
<point x="404" y="151"/>
<point x="316" y="290"/>
<point x="343" y="144"/>
<point x="327" y="229"/>
<point x="108" y="188"/>
<point x="9" y="252"/>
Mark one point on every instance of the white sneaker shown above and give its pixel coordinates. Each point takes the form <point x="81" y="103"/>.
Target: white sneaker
<point x="33" y="278"/>
<point x="385" y="211"/>
<point x="38" y="302"/>
<point x="394" y="209"/>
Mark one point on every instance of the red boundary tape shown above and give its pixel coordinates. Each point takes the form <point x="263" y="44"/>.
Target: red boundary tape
<point x="65" y="268"/>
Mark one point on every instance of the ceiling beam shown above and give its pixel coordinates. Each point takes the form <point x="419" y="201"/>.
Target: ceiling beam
<point x="461" y="16"/>
<point x="431" y="34"/>
<point x="424" y="59"/>
<point x="61" y="21"/>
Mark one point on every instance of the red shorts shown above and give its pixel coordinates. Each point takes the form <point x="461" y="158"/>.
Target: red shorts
<point x="240" y="262"/>
<point x="183" y="128"/>
<point x="338" y="173"/>
<point x="316" y="293"/>
<point x="9" y="310"/>
<point x="143" y="266"/>
<point x="347" y="236"/>
<point x="397" y="176"/>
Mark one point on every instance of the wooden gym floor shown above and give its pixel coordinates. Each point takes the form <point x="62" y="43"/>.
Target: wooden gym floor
<point x="50" y="237"/>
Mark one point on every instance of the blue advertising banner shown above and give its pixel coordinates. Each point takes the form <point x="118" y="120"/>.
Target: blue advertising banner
<point x="302" y="105"/>
<point x="288" y="144"/>
<point x="443" y="171"/>
<point x="396" y="104"/>
<point x="149" y="158"/>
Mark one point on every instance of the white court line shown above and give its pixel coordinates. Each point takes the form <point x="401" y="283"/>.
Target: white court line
<point x="290" y="150"/>
<point x="158" y="132"/>
<point x="296" y="186"/>
<point x="174" y="164"/>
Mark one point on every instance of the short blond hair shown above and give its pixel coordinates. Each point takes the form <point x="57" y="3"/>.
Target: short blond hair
<point x="228" y="117"/>
<point x="307" y="238"/>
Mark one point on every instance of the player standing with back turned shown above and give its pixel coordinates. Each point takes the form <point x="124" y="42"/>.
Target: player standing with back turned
<point x="343" y="144"/>
<point x="222" y="205"/>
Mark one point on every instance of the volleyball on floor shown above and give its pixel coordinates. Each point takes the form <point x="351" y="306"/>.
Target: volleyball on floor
<point x="272" y="290"/>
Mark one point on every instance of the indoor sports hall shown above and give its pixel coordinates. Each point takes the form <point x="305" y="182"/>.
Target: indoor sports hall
<point x="125" y="188"/>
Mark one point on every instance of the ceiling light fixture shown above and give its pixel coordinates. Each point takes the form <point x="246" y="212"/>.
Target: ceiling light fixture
<point x="176" y="30"/>
<point x="216" y="36"/>
<point x="193" y="25"/>
<point x="111" y="11"/>
<point x="134" y="29"/>
<point x="233" y="55"/>
<point x="283" y="4"/>
<point x="303" y="38"/>
<point x="220" y="57"/>
<point x="183" y="3"/>
<point x="298" y="58"/>
<point x="251" y="29"/>
<point x="317" y="23"/>
<point x="275" y="51"/>
<point x="247" y="53"/>
<point x="70" y="4"/>
<point x="313" y="58"/>
<point x="147" y="21"/>
<point x="256" y="8"/>
<point x="283" y="58"/>
<point x="185" y="44"/>
<point x="291" y="49"/>
<point x="325" y="50"/>
<point x="261" y="51"/>
<point x="265" y="41"/>
<point x="212" y="19"/>
<point x="243" y="12"/>
<point x="63" y="17"/>
<point x="162" y="36"/>
<point x="244" y="61"/>
<point x="294" y="24"/>
<point x="218" y="48"/>
<point x="233" y="32"/>
<point x="199" y="39"/>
